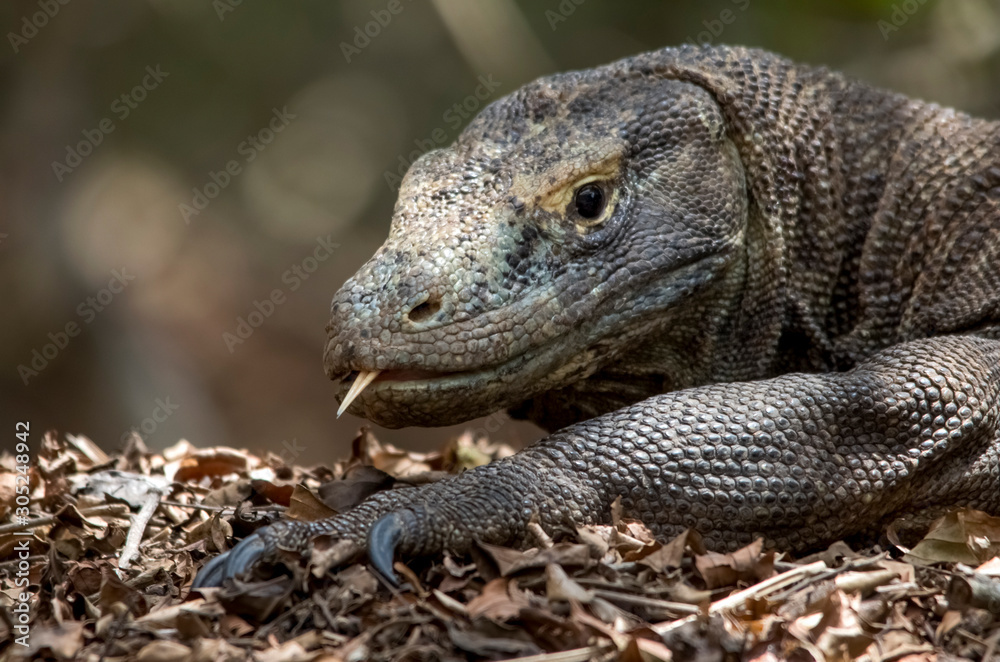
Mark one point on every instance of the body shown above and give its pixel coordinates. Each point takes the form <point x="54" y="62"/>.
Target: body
<point x="752" y="297"/>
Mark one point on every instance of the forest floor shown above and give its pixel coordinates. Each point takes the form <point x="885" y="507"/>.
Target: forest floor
<point x="102" y="570"/>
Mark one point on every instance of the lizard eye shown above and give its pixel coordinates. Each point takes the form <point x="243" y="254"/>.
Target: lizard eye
<point x="593" y="202"/>
<point x="589" y="201"/>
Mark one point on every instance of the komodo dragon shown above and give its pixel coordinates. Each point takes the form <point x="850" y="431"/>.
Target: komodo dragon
<point x="754" y="298"/>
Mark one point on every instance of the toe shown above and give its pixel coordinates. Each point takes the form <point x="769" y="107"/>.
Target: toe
<point x="212" y="573"/>
<point x="383" y="539"/>
<point x="236" y="561"/>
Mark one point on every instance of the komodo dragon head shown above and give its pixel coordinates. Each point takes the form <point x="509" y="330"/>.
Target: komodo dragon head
<point x="589" y="224"/>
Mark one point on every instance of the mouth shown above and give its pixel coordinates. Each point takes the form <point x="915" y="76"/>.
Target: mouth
<point x="406" y="379"/>
<point x="519" y="377"/>
<point x="413" y="379"/>
<point x="361" y="379"/>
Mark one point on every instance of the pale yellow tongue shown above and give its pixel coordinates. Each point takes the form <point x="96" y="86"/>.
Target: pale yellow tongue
<point x="365" y="377"/>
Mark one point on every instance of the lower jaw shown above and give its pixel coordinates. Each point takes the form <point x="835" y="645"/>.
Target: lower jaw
<point x="399" y="398"/>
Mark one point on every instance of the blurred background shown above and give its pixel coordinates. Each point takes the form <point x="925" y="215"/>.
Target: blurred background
<point x="184" y="185"/>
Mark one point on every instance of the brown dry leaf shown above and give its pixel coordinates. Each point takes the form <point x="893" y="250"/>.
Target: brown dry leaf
<point x="91" y="453"/>
<point x="653" y="651"/>
<point x="163" y="651"/>
<point x="279" y="494"/>
<point x="504" y="557"/>
<point x="211" y="463"/>
<point x="306" y="506"/>
<point x="64" y="640"/>
<point x="949" y="621"/>
<point x="229" y="494"/>
<point x="832" y="630"/>
<point x="217" y="650"/>
<point x="114" y="590"/>
<point x="218" y="531"/>
<point x="580" y="616"/>
<point x="290" y="651"/>
<point x="899" y="642"/>
<point x="905" y="571"/>
<point x="8" y="487"/>
<point x="511" y="561"/>
<point x="85" y="577"/>
<point x="490" y="643"/>
<point x="70" y="517"/>
<point x="359" y="482"/>
<point x="597" y="537"/>
<point x="559" y="586"/>
<point x="637" y="530"/>
<point x="747" y="564"/>
<point x="347" y="614"/>
<point x="616" y="511"/>
<point x="672" y="554"/>
<point x="233" y="627"/>
<point x="500" y="600"/>
<point x="962" y="536"/>
<point x="636" y="542"/>
<point x="390" y="459"/>
<point x="259" y="601"/>
<point x="832" y="555"/>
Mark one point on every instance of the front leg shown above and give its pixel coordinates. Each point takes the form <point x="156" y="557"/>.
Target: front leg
<point x="799" y="459"/>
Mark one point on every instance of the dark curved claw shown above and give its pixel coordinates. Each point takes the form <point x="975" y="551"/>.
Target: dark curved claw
<point x="212" y="574"/>
<point x="383" y="539"/>
<point x="234" y="562"/>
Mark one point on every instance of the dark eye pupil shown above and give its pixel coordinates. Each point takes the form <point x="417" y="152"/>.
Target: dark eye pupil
<point x="589" y="201"/>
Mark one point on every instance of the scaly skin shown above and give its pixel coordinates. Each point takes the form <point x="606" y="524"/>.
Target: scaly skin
<point x="785" y="322"/>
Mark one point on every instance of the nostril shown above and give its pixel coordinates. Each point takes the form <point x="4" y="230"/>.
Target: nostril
<point x="425" y="310"/>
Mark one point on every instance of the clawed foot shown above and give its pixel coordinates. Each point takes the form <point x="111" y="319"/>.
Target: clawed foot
<point x="383" y="540"/>
<point x="249" y="551"/>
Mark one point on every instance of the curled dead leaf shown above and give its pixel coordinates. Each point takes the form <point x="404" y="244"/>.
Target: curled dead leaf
<point x="747" y="564"/>
<point x="961" y="536"/>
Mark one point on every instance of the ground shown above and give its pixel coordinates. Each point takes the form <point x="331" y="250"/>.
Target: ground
<point x="113" y="543"/>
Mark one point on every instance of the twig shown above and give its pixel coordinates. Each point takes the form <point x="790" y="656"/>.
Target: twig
<point x="135" y="532"/>
<point x="217" y="509"/>
<point x="575" y="655"/>
<point x="976" y="590"/>
<point x="755" y="591"/>
<point x="643" y="601"/>
<point x="30" y="559"/>
<point x="906" y="650"/>
<point x="105" y="509"/>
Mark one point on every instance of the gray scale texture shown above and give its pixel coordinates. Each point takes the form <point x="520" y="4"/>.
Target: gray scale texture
<point x="785" y="323"/>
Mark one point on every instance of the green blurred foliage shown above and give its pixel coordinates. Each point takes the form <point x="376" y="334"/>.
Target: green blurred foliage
<point x="357" y="117"/>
